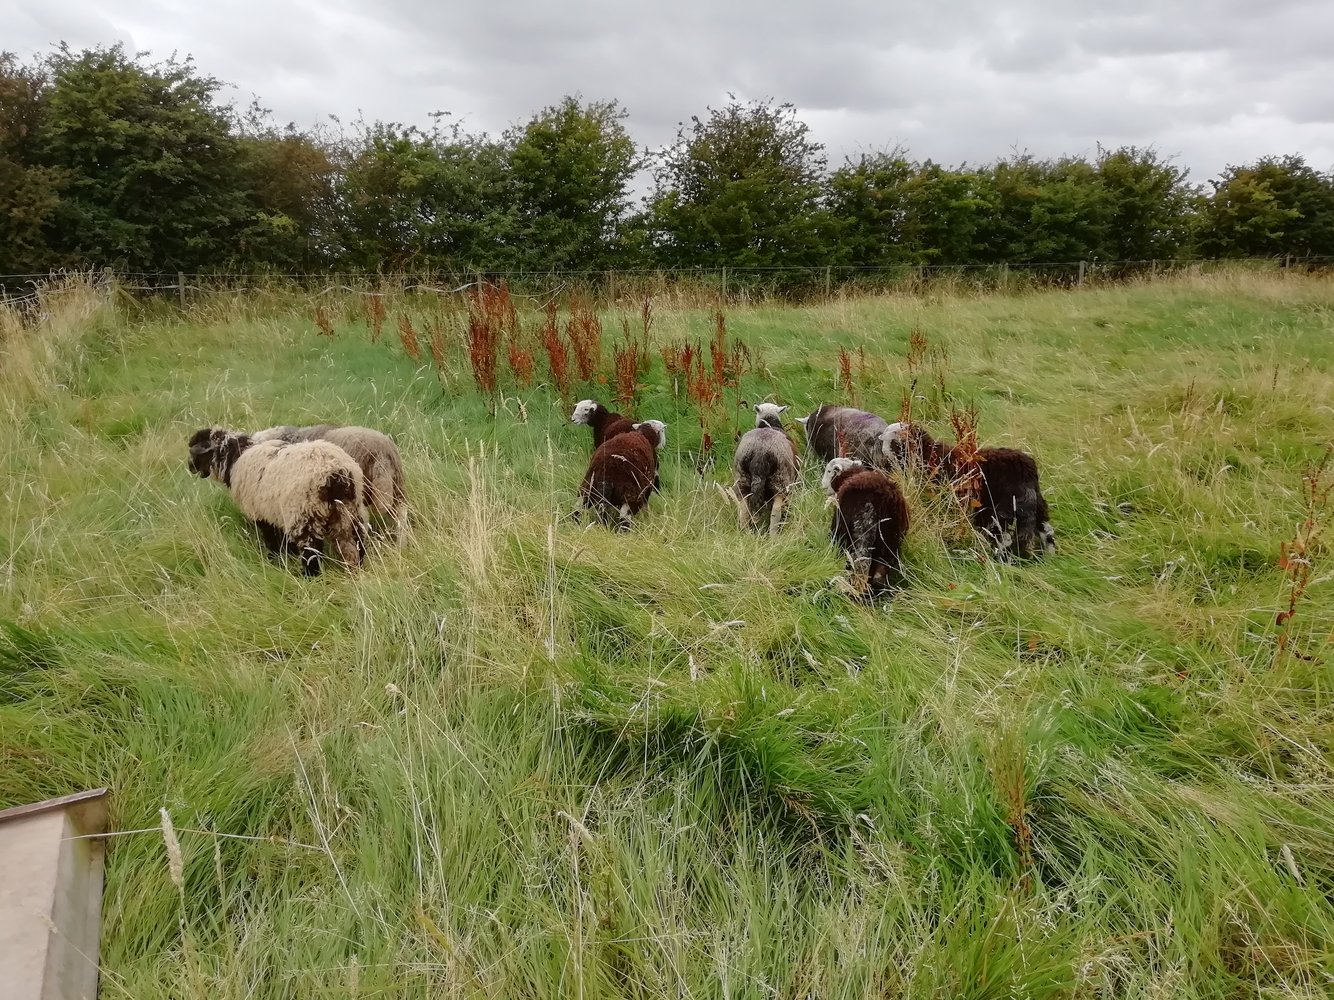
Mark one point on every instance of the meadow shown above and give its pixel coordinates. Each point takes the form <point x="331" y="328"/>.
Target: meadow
<point x="520" y="757"/>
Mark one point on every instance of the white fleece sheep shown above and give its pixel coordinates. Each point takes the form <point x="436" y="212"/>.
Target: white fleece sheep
<point x="381" y="465"/>
<point x="299" y="495"/>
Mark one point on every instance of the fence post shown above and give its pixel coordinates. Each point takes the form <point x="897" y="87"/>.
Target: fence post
<point x="611" y="288"/>
<point x="724" y="284"/>
<point x="828" y="282"/>
<point x="1081" y="273"/>
<point x="180" y="287"/>
<point x="1005" y="276"/>
<point x="1154" y="273"/>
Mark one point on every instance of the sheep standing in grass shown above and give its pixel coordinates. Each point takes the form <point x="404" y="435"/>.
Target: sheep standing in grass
<point x="764" y="468"/>
<point x="844" y="432"/>
<point x="622" y="473"/>
<point x="1006" y="499"/>
<point x="604" y="422"/>
<point x="870" y="520"/>
<point x="381" y="465"/>
<point x="300" y="496"/>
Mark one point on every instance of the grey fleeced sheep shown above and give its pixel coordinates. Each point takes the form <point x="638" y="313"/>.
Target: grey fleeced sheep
<point x="604" y="422"/>
<point x="870" y="520"/>
<point x="300" y="496"/>
<point x="844" y="432"/>
<point x="1009" y="511"/>
<point x="765" y="467"/>
<point x="381" y="466"/>
<point x="622" y="473"/>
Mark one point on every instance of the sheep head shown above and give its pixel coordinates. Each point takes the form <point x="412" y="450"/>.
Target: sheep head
<point x="213" y="451"/>
<point x="659" y="429"/>
<point x="769" y="415"/>
<point x="584" y="411"/>
<point x="836" y="468"/>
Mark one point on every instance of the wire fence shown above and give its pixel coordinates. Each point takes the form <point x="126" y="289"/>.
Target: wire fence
<point x="795" y="283"/>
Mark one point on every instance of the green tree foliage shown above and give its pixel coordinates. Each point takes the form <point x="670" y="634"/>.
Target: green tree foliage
<point x="289" y="179"/>
<point x="28" y="191"/>
<point x="148" y="163"/>
<point x="570" y="167"/>
<point x="437" y="199"/>
<point x="1278" y="205"/>
<point x="112" y="160"/>
<point x="741" y="187"/>
<point x="870" y="204"/>
<point x="1148" y="205"/>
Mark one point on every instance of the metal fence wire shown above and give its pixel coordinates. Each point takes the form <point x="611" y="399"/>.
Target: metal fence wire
<point x="797" y="283"/>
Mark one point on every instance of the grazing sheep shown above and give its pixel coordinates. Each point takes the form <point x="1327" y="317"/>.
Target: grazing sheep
<point x="622" y="473"/>
<point x="375" y="452"/>
<point x="841" y="431"/>
<point x="299" y="495"/>
<point x="1010" y="509"/>
<point x="764" y="468"/>
<point x="870" y="520"/>
<point x="605" y="423"/>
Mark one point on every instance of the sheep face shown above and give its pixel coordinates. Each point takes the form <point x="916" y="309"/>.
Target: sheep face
<point x="213" y="451"/>
<point x="584" y="411"/>
<point x="769" y="415"/>
<point x="836" y="468"/>
<point x="892" y="437"/>
<point x="659" y="427"/>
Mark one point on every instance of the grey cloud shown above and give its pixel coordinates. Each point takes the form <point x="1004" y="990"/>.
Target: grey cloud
<point x="1215" y="82"/>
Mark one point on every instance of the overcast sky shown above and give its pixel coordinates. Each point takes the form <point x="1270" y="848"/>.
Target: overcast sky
<point x="1209" y="82"/>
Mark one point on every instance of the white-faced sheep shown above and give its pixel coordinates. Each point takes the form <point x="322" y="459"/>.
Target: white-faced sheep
<point x="1006" y="499"/>
<point x="381" y="465"/>
<point x="300" y="496"/>
<point x="844" y="432"/>
<point x="604" y="422"/>
<point x="870" y="520"/>
<point x="622" y="473"/>
<point x="765" y="467"/>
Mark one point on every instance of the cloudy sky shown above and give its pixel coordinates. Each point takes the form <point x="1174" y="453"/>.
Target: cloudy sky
<point x="1210" y="82"/>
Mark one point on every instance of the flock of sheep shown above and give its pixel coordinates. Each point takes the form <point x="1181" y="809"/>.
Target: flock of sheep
<point x="308" y="488"/>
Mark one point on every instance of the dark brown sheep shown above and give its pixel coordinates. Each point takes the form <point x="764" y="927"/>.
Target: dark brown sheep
<point x="870" y="520"/>
<point x="1005" y="496"/>
<point x="622" y="473"/>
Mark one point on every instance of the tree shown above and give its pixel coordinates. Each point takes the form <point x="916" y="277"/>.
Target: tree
<point x="741" y="187"/>
<point x="869" y="203"/>
<point x="571" y="166"/>
<point x="289" y="180"/>
<point x="148" y="164"/>
<point x="1148" y="204"/>
<point x="28" y="192"/>
<point x="1276" y="206"/>
<point x="438" y="199"/>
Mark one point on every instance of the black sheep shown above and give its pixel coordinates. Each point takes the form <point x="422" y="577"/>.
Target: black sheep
<point x="870" y="521"/>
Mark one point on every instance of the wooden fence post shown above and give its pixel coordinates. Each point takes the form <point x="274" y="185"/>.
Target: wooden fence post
<point x="724" y="284"/>
<point x="1005" y="276"/>
<point x="1081" y="273"/>
<point x="828" y="282"/>
<point x="180" y="287"/>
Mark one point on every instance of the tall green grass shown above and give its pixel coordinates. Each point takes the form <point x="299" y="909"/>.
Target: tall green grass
<point x="522" y="758"/>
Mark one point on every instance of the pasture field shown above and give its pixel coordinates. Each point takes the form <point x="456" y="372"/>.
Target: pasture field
<point x="523" y="758"/>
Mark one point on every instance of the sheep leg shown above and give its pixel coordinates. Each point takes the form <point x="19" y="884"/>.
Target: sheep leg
<point x="776" y="513"/>
<point x="742" y="508"/>
<point x="1046" y="533"/>
<point x="624" y="520"/>
<point x="272" y="536"/>
<point x="311" y="551"/>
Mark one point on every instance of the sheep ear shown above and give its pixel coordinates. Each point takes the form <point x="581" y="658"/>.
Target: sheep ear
<point x="802" y="420"/>
<point x="783" y="409"/>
